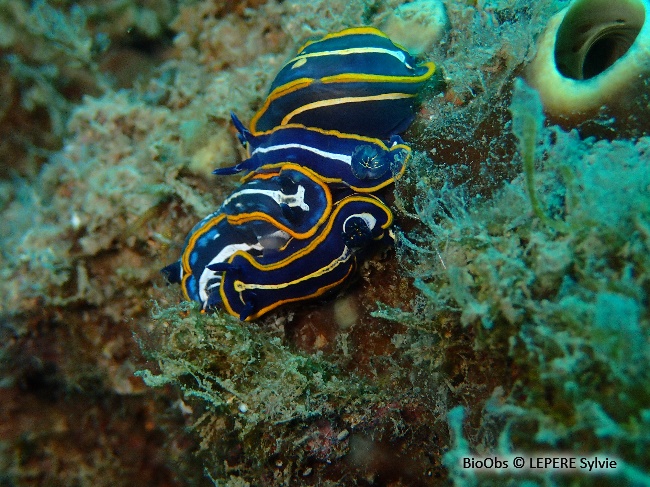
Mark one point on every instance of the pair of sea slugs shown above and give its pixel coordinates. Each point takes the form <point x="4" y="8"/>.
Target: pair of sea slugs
<point x="322" y="143"/>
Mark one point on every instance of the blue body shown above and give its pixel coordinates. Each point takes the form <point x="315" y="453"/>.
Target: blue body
<point x="303" y="218"/>
<point x="362" y="164"/>
<point x="354" y="81"/>
<point x="252" y="285"/>
<point x="214" y="240"/>
<point x="290" y="197"/>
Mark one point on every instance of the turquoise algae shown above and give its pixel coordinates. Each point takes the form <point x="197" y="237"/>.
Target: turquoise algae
<point x="512" y="318"/>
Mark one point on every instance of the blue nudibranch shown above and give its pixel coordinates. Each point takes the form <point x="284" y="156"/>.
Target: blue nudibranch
<point x="290" y="197"/>
<point x="304" y="216"/>
<point x="360" y="163"/>
<point x="355" y="81"/>
<point x="214" y="240"/>
<point x="255" y="284"/>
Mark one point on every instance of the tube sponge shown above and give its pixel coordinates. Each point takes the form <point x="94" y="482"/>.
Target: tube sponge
<point x="594" y="55"/>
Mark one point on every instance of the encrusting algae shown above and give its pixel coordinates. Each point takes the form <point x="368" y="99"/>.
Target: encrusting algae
<point x="512" y="316"/>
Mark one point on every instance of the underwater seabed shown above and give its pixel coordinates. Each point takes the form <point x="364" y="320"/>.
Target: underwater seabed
<point x="511" y="319"/>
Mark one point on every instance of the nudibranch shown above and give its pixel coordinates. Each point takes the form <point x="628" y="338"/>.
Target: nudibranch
<point x="214" y="240"/>
<point x="363" y="164"/>
<point x="304" y="216"/>
<point x="258" y="217"/>
<point x="290" y="197"/>
<point x="253" y="284"/>
<point x="354" y="81"/>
